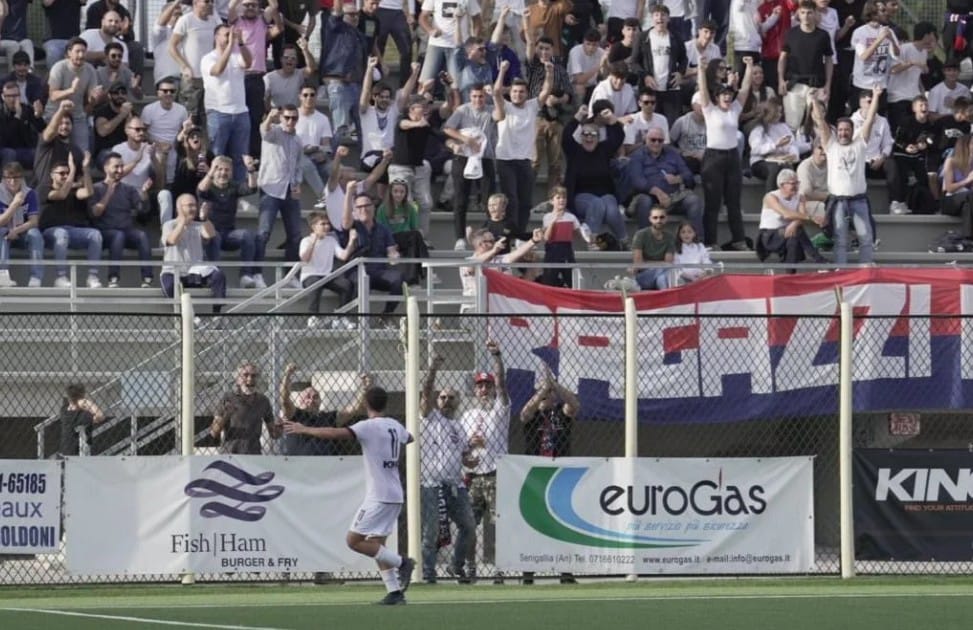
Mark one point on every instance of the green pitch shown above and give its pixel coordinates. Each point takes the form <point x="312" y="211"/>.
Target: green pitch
<point x="789" y="604"/>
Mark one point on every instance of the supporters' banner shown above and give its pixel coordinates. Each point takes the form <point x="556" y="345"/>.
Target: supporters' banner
<point x="712" y="354"/>
<point x="913" y="505"/>
<point x="30" y="506"/>
<point x="246" y="513"/>
<point x="648" y="516"/>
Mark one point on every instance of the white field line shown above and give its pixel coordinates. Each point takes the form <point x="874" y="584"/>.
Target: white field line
<point x="164" y="622"/>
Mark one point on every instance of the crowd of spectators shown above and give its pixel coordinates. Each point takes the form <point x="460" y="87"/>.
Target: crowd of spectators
<point x="625" y="107"/>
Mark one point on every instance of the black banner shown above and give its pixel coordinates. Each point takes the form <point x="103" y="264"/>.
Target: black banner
<point x="913" y="504"/>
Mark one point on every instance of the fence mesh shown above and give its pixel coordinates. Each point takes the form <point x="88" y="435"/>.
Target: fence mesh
<point x="708" y="387"/>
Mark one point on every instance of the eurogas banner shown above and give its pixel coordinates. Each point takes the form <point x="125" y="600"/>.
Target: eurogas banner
<point x="646" y="516"/>
<point x="219" y="514"/>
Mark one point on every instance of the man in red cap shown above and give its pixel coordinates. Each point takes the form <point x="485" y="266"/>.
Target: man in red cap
<point x="487" y="426"/>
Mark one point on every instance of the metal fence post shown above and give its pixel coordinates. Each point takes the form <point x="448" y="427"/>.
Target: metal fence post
<point x="845" y="442"/>
<point x="412" y="494"/>
<point x="188" y="403"/>
<point x="631" y="395"/>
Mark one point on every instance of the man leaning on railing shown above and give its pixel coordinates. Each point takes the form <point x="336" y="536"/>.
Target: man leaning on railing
<point x="77" y="412"/>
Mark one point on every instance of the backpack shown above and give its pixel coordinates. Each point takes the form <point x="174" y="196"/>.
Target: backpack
<point x="950" y="242"/>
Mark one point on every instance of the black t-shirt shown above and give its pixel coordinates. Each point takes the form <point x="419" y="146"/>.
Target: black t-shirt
<point x="117" y="136"/>
<point x="806" y="53"/>
<point x="548" y="433"/>
<point x="844" y="9"/>
<point x="223" y="203"/>
<point x="305" y="444"/>
<point x="949" y="130"/>
<point x="410" y="144"/>
<point x="63" y="21"/>
<point x="50" y="153"/>
<point x="71" y="419"/>
<point x="61" y="212"/>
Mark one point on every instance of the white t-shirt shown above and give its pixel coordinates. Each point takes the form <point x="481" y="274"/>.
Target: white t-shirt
<point x="875" y="69"/>
<point x="442" y="445"/>
<point x="226" y="93"/>
<point x="904" y="86"/>
<point x="879" y="144"/>
<point x="770" y="219"/>
<point x="661" y="53"/>
<point x="846" y="166"/>
<point x="378" y="129"/>
<point x="635" y="130"/>
<point x="743" y="24"/>
<point x="381" y="440"/>
<point x="941" y="97"/>
<point x="493" y="425"/>
<point x="322" y="260"/>
<point x="580" y="62"/>
<point x="623" y="9"/>
<point x="623" y="100"/>
<point x="164" y="125"/>
<point x="310" y="129"/>
<point x="142" y="171"/>
<point x="452" y="18"/>
<point x="722" y="126"/>
<point x="517" y="132"/>
<point x="93" y="38"/>
<point x="828" y="22"/>
<point x="165" y="65"/>
<point x="198" y="38"/>
<point x="692" y="53"/>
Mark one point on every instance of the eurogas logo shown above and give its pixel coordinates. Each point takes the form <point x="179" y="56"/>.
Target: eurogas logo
<point x="547" y="504"/>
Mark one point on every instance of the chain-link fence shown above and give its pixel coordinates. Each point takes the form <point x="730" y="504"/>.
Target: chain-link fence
<point x="708" y="387"/>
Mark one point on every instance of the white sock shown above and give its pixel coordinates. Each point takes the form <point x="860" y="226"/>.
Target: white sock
<point x="386" y="557"/>
<point x="391" y="579"/>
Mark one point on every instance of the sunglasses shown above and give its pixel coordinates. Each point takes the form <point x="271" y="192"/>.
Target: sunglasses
<point x="589" y="134"/>
<point x="647" y="102"/>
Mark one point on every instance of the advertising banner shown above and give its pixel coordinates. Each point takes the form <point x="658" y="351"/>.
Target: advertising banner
<point x="647" y="516"/>
<point x="247" y="513"/>
<point x="913" y="504"/>
<point x="30" y="506"/>
<point x="743" y="347"/>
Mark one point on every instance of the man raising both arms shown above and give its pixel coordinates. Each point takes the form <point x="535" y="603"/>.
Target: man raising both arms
<point x="382" y="439"/>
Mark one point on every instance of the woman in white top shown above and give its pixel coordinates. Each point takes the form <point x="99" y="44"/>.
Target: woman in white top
<point x="782" y="220"/>
<point x="318" y="251"/>
<point x="721" y="170"/>
<point x="773" y="146"/>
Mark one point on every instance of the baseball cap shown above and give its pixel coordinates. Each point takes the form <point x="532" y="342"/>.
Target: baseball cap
<point x="483" y="377"/>
<point x="118" y="86"/>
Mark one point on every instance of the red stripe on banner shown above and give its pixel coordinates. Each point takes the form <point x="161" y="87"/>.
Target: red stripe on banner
<point x="680" y="338"/>
<point x="591" y="341"/>
<point x="733" y="332"/>
<point x="780" y="329"/>
<point x="519" y="322"/>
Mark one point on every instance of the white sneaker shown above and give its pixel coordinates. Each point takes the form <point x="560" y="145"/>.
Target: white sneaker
<point x="247" y="282"/>
<point x="295" y="283"/>
<point x="112" y="282"/>
<point x="34" y="282"/>
<point x="146" y="283"/>
<point x="62" y="282"/>
<point x="460" y="245"/>
<point x="321" y="204"/>
<point x="258" y="281"/>
<point x="94" y="282"/>
<point x="343" y="323"/>
<point x="899" y="207"/>
<point x="314" y="322"/>
<point x="5" y="280"/>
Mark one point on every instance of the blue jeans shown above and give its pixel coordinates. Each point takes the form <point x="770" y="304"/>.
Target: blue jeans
<point x="65" y="237"/>
<point x="653" y="278"/>
<point x="858" y="210"/>
<point x="251" y="247"/>
<point x="459" y="511"/>
<point x="343" y="102"/>
<point x="32" y="240"/>
<point x="133" y="238"/>
<point x="55" y="50"/>
<point x="596" y="212"/>
<point x="290" y="212"/>
<point x="230" y="135"/>
<point x="436" y="56"/>
<point x="216" y="282"/>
